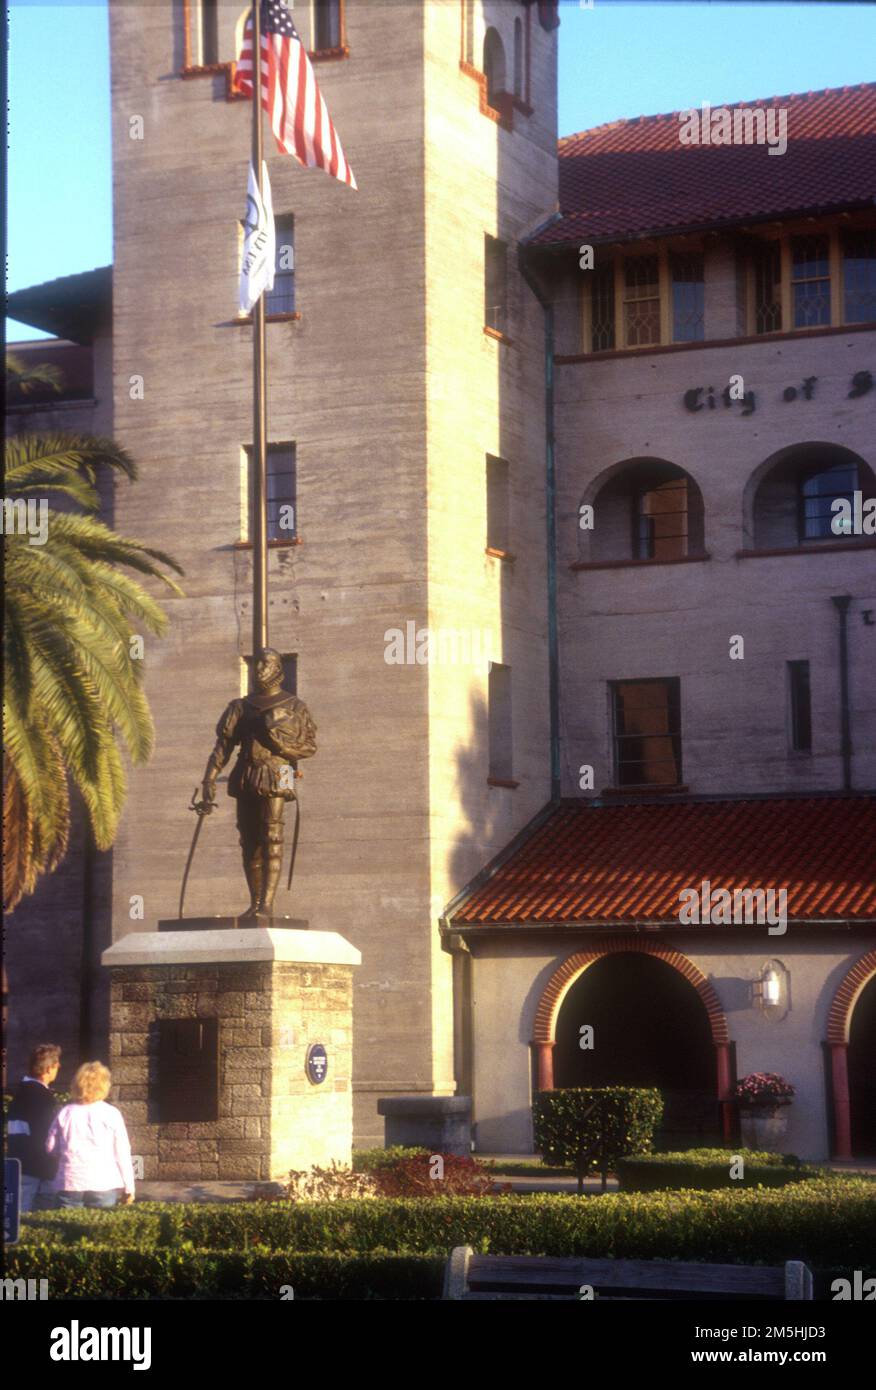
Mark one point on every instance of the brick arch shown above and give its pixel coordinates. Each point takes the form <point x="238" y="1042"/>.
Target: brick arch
<point x="562" y="979"/>
<point x="840" y="1015"/>
<point x="838" y="1019"/>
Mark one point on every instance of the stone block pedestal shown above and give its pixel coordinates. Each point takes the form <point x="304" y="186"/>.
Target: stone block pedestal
<point x="439" y="1123"/>
<point x="275" y="996"/>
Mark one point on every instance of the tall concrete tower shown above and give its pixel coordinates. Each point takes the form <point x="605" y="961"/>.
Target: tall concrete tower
<point x="406" y="417"/>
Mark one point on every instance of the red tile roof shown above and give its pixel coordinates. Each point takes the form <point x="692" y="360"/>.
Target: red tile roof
<point x="628" y="863"/>
<point x="634" y="177"/>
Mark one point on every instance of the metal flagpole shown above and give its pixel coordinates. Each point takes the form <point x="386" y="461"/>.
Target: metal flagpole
<point x="259" y="384"/>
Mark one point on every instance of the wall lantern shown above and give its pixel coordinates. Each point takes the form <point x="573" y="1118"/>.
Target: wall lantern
<point x="772" y="990"/>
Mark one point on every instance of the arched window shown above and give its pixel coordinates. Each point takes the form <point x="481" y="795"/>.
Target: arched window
<point x="518" y="59"/>
<point x="806" y="494"/>
<point x="494" y="65"/>
<point x="647" y="509"/>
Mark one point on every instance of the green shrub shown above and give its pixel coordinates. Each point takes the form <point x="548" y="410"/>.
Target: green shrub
<point x="95" y="1271"/>
<point x="707" y="1169"/>
<point x="588" y="1128"/>
<point x="827" y="1222"/>
<point x="139" y="1224"/>
<point x="376" y="1160"/>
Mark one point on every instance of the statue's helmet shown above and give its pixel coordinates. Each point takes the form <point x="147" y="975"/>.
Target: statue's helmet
<point x="269" y="667"/>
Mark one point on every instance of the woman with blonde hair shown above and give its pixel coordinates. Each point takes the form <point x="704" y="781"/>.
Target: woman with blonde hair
<point x="94" y="1153"/>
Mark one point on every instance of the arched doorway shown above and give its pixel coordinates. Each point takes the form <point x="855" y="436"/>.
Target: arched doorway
<point x="862" y="1072"/>
<point x="851" y="1042"/>
<point x="656" y="1021"/>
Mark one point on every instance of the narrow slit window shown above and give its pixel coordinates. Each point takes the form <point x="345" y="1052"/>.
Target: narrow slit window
<point x="498" y="489"/>
<point x="800" y="706"/>
<point x="501" y="746"/>
<point x="495" y="284"/>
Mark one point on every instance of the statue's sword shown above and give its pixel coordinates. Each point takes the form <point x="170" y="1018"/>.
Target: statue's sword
<point x="202" y="809"/>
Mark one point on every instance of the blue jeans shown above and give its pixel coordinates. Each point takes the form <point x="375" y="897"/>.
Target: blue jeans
<point x="89" y="1199"/>
<point x="36" y="1194"/>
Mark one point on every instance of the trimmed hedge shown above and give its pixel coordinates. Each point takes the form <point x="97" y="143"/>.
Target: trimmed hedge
<point x="97" y="1271"/>
<point x="827" y="1222"/>
<point x="708" y="1169"/>
<point x="589" y="1128"/>
<point x="378" y="1160"/>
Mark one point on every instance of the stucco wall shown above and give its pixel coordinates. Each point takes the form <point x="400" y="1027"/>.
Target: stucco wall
<point x="509" y="979"/>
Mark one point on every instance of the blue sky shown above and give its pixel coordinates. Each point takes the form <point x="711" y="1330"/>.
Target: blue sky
<point x="616" y="59"/>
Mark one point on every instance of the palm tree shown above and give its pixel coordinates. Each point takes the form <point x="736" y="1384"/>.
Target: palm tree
<point x="24" y="377"/>
<point x="72" y="685"/>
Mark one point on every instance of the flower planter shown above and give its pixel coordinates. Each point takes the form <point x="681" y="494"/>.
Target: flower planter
<point x="763" y="1127"/>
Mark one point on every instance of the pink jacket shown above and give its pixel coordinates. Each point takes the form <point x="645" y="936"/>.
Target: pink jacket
<point x="94" y="1149"/>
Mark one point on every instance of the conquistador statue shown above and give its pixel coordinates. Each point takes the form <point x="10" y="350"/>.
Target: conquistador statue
<point x="272" y="729"/>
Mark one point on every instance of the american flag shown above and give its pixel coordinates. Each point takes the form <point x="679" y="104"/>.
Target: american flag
<point x="299" y="117"/>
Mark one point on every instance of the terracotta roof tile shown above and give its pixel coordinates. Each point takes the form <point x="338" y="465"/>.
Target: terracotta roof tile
<point x="634" y="177"/>
<point x="626" y="863"/>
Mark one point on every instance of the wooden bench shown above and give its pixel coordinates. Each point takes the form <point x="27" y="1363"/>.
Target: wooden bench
<point x="469" y="1276"/>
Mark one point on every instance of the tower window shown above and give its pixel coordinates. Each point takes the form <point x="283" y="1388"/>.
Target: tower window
<point x="496" y="284"/>
<point x="501" y="759"/>
<point x="647" y="732"/>
<point x="281" y="299"/>
<point x="518" y="59"/>
<point x="326" y="24"/>
<point x="282" y="507"/>
<point x="497" y="504"/>
<point x="494" y="66"/>
<point x="799" y="706"/>
<point x="206" y="33"/>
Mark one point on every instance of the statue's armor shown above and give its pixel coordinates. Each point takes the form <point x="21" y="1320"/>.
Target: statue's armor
<point x="272" y="731"/>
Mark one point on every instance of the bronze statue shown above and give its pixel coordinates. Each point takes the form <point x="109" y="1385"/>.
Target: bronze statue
<point x="272" y="729"/>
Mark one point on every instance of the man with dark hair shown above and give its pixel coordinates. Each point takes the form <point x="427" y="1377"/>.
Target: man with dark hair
<point x="30" y="1116"/>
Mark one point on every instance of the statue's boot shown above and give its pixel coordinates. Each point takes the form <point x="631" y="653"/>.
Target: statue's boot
<point x="254" y="880"/>
<point x="272" y="878"/>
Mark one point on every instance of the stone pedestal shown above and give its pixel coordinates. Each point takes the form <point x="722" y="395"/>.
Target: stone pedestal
<point x="278" y="995"/>
<point x="441" y="1124"/>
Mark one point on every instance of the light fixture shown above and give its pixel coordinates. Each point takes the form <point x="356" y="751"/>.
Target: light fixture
<point x="772" y="989"/>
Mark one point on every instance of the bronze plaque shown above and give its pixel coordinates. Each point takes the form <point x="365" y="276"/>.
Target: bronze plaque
<point x="188" y="1070"/>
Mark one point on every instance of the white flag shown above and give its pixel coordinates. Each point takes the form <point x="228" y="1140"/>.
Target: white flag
<point x="259" y="246"/>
